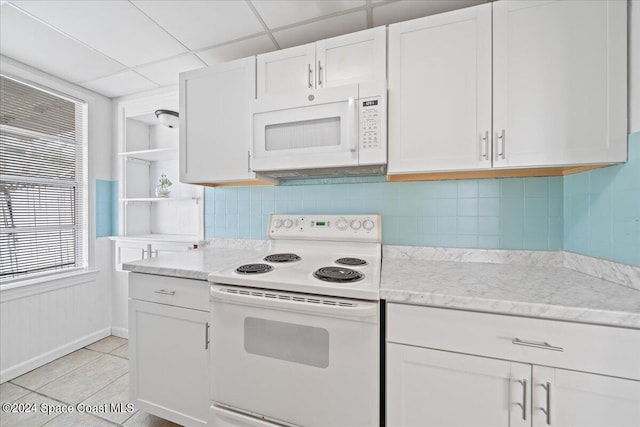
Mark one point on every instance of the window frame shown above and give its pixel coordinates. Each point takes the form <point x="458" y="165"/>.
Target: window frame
<point x="82" y="180"/>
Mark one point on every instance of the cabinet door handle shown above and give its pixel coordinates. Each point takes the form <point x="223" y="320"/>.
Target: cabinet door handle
<point x="248" y="161"/>
<point x="164" y="292"/>
<point x="484" y="145"/>
<point x="523" y="405"/>
<point x="501" y="137"/>
<point x="206" y="336"/>
<point x="310" y="78"/>
<point x="547" y="410"/>
<point x="542" y="345"/>
<point x="319" y="74"/>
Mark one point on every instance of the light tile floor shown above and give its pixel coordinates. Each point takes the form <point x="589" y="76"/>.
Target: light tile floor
<point x="94" y="377"/>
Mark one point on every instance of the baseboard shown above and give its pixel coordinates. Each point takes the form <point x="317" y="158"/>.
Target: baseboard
<point x="35" y="362"/>
<point x="120" y="332"/>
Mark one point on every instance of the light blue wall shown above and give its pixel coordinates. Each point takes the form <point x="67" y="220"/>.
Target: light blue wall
<point x="106" y="208"/>
<point x="602" y="210"/>
<point x="513" y="213"/>
<point x="594" y="213"/>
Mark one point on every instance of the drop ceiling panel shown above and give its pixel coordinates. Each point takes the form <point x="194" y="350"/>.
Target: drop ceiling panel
<point x="200" y="24"/>
<point x="322" y="29"/>
<point x="26" y="40"/>
<point x="115" y="28"/>
<point x="277" y="13"/>
<point x="403" y="10"/>
<point x="165" y="73"/>
<point x="237" y="50"/>
<point x="120" y="84"/>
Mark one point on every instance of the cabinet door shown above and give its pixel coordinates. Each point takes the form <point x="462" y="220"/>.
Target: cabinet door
<point x="169" y="375"/>
<point x="215" y="122"/>
<point x="440" y="92"/>
<point x="130" y="251"/>
<point x="287" y="70"/>
<point x="351" y="59"/>
<point x="437" y="388"/>
<point x="568" y="398"/>
<point x="559" y="82"/>
<point x="158" y="249"/>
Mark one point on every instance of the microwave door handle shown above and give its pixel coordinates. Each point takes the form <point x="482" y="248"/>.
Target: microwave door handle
<point x="353" y="126"/>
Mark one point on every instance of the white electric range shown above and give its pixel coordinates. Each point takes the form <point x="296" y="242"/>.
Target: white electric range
<point x="296" y="332"/>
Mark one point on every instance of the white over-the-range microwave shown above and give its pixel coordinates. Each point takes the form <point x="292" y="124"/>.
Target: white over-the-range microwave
<point x="340" y="131"/>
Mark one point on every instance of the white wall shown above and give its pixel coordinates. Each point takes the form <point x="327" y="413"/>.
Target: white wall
<point x="634" y="66"/>
<point x="47" y="319"/>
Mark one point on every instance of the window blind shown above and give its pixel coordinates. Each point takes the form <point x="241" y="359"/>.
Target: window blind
<point x="42" y="180"/>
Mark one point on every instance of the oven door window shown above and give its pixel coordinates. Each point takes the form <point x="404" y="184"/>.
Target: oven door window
<point x="291" y="342"/>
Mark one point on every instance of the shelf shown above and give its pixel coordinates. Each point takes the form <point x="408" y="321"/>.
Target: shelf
<point x="159" y="199"/>
<point x="153" y="155"/>
<point x="156" y="237"/>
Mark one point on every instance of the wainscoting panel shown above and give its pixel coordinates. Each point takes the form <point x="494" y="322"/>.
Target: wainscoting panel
<point x="41" y="322"/>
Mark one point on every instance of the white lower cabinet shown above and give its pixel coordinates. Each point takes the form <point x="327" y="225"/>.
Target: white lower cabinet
<point x="456" y="368"/>
<point x="168" y="345"/>
<point x="568" y="398"/>
<point x="435" y="388"/>
<point x="134" y="250"/>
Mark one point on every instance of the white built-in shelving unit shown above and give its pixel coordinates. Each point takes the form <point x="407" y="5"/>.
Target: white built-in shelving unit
<point x="150" y="225"/>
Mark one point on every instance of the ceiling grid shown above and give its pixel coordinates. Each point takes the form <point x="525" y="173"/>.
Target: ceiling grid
<point x="153" y="41"/>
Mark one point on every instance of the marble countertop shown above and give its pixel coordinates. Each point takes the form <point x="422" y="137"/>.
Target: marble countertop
<point x="194" y="264"/>
<point x="534" y="284"/>
<point x="544" y="291"/>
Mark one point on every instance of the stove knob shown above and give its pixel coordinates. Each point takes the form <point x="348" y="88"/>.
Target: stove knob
<point x="288" y="223"/>
<point x="277" y="223"/>
<point x="368" y="225"/>
<point x="356" y="224"/>
<point x="342" y="224"/>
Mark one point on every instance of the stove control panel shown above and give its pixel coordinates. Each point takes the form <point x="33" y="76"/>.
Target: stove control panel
<point x="355" y="228"/>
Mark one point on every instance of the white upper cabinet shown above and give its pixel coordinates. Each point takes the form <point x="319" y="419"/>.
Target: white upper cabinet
<point x="343" y="60"/>
<point x="559" y="82"/>
<point x="287" y="70"/>
<point x="557" y="97"/>
<point x="215" y="123"/>
<point x="352" y="58"/>
<point x="440" y="92"/>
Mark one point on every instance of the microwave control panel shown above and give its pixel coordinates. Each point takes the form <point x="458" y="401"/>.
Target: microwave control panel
<point x="370" y="114"/>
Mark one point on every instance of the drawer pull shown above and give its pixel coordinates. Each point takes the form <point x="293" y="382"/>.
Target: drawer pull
<point x="164" y="292"/>
<point x="543" y="345"/>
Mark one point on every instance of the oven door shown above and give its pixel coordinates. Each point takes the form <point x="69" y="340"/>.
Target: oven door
<point x="295" y="359"/>
<point x="314" y="129"/>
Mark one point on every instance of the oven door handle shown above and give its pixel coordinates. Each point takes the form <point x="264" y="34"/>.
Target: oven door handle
<point x="301" y="303"/>
<point x="224" y="414"/>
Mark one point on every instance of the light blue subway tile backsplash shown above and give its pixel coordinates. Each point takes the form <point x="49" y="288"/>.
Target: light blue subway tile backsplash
<point x="106" y="208"/>
<point x="465" y="213"/>
<point x="602" y="210"/>
<point x="594" y="213"/>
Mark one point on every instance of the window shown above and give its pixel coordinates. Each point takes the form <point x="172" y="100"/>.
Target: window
<point x="42" y="181"/>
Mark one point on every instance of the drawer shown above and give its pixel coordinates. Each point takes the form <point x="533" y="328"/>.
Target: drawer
<point x="186" y="293"/>
<point x="590" y="348"/>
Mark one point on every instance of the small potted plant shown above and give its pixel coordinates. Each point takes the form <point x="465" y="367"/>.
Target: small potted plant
<point x="163" y="189"/>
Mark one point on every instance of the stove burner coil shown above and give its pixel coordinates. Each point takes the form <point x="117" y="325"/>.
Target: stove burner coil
<point x="254" y="268"/>
<point x="351" y="261"/>
<point x="338" y="275"/>
<point x="282" y="258"/>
